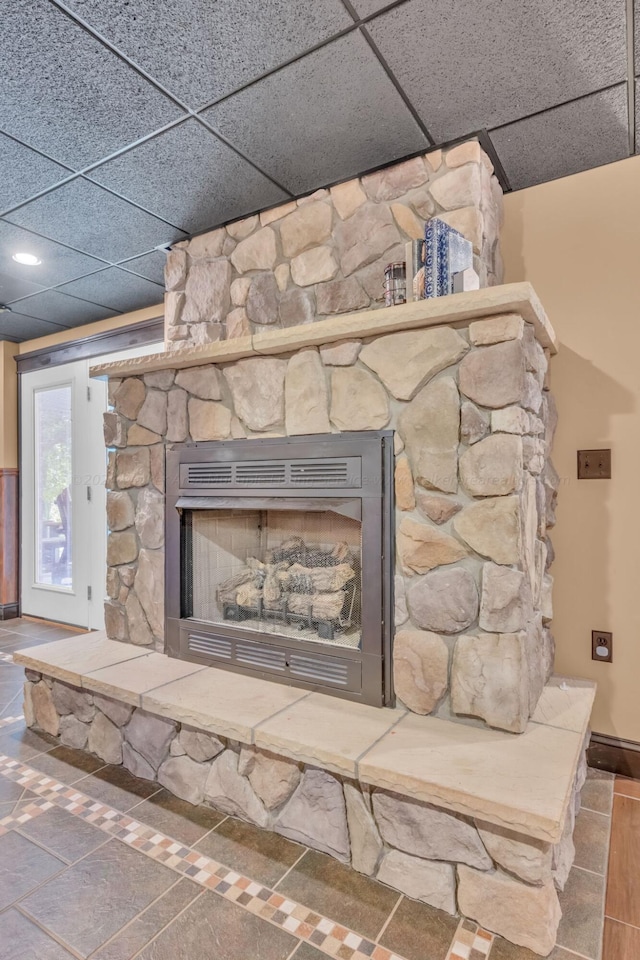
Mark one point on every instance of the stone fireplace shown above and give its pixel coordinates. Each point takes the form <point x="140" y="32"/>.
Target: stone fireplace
<point x="280" y="553"/>
<point x="240" y="479"/>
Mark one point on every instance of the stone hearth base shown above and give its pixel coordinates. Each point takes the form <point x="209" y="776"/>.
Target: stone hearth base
<point x="470" y="820"/>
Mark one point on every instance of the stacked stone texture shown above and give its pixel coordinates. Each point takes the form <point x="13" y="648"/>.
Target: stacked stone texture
<point x="325" y="254"/>
<point x="475" y="494"/>
<point x="502" y="879"/>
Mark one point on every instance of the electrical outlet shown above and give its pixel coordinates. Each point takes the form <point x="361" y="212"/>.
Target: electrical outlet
<point x="601" y="646"/>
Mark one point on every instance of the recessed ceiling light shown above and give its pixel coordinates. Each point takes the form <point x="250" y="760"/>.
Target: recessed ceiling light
<point x="29" y="259"/>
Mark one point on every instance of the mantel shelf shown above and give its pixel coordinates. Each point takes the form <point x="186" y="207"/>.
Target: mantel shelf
<point x="453" y="310"/>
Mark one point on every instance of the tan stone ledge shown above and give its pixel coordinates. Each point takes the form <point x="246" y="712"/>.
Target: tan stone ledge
<point x="456" y="309"/>
<point x="523" y="782"/>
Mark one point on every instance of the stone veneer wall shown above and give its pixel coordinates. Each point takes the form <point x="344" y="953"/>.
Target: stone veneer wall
<point x="325" y="254"/>
<point x="505" y="881"/>
<point x="475" y="494"/>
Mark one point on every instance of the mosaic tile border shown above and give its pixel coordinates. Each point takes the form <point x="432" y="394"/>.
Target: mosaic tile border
<point x="470" y="942"/>
<point x="325" y="934"/>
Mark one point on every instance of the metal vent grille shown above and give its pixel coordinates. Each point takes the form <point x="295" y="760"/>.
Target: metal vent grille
<point x="267" y="658"/>
<point x="209" y="474"/>
<point x="218" y="647"/>
<point x="345" y="473"/>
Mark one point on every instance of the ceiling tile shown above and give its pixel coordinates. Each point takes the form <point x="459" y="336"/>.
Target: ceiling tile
<point x="201" y="50"/>
<point x="59" y="308"/>
<point x="65" y="93"/>
<point x="364" y="8"/>
<point x="18" y="327"/>
<point x="93" y="220"/>
<point x="466" y="66"/>
<point x="568" y="139"/>
<point x="149" y="265"/>
<point x="12" y="288"/>
<point x="324" y="118"/>
<point x="23" y="172"/>
<point x="189" y="177"/>
<point x="58" y="262"/>
<point x="116" y="289"/>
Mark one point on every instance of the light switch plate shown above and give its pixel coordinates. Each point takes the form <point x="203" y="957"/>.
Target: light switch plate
<point x="594" y="464"/>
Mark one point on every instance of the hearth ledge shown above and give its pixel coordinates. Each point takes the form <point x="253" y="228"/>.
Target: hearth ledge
<point x="519" y="298"/>
<point x="522" y="782"/>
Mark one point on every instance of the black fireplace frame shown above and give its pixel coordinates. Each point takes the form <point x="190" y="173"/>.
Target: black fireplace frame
<point x="363" y="483"/>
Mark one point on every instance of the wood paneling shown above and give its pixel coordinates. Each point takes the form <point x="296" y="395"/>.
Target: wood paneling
<point x="623" y="888"/>
<point x="9" y="543"/>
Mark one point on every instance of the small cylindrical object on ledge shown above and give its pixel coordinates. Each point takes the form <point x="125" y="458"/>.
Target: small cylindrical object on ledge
<point x="395" y="283"/>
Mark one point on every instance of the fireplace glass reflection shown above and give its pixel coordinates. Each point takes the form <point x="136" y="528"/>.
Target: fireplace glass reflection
<point x="292" y="573"/>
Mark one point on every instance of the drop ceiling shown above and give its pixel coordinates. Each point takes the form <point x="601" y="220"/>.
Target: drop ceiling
<point x="126" y="125"/>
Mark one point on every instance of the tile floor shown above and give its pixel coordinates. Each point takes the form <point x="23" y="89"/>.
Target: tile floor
<point x="95" y="863"/>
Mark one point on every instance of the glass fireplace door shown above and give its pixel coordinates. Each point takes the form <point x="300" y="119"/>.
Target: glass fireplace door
<point x="286" y="572"/>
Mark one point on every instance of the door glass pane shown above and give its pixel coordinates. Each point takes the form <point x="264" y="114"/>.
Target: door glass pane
<point x="53" y="469"/>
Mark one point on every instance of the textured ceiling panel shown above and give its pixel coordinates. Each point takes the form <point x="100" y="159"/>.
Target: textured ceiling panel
<point x="89" y="218"/>
<point x="18" y="327"/>
<point x="149" y="265"/>
<point x="116" y="289"/>
<point x="571" y="138"/>
<point x="189" y="177"/>
<point x="63" y="92"/>
<point x="364" y="8"/>
<point x="202" y="50"/>
<point x="59" y="308"/>
<point x="324" y="118"/>
<point x="12" y="288"/>
<point x="24" y="172"/>
<point x="58" y="262"/>
<point x="471" y="65"/>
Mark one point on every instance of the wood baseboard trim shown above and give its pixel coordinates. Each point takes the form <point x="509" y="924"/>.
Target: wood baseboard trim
<point x="614" y="755"/>
<point x="9" y="611"/>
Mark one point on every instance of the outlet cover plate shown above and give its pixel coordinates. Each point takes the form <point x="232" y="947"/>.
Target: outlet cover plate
<point x="599" y="639"/>
<point x="594" y="464"/>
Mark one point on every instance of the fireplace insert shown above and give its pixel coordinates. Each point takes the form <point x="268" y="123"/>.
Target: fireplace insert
<point x="279" y="559"/>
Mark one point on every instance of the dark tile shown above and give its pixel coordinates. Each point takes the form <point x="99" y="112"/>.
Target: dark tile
<point x="59" y="308"/>
<point x="565" y="140"/>
<point x="591" y="838"/>
<point x="116" y="289"/>
<point x="177" y="818"/>
<point x="95" y="221"/>
<point x="15" y="641"/>
<point x="256" y="853"/>
<point x="116" y="787"/>
<point x="67" y="764"/>
<point x="12" y="288"/>
<point x="35" y="628"/>
<point x="215" y="185"/>
<point x="149" y="265"/>
<point x="113" y="883"/>
<point x="306" y="952"/>
<point x="25" y="172"/>
<point x="503" y="950"/>
<point x="337" y="891"/>
<point x="221" y="47"/>
<point x="22" y="940"/>
<point x="582" y="913"/>
<point x="23" y="866"/>
<point x="60" y="832"/>
<point x="499" y="60"/>
<point x="20" y="743"/>
<point x="417" y="931"/>
<point x="70" y="96"/>
<point x="312" y="122"/>
<point x="597" y="794"/>
<point x="58" y="264"/>
<point x="216" y="928"/>
<point x="10" y="791"/>
<point x="134" y="936"/>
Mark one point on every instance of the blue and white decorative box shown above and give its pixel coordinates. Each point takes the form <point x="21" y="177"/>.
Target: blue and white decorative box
<point x="446" y="253"/>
